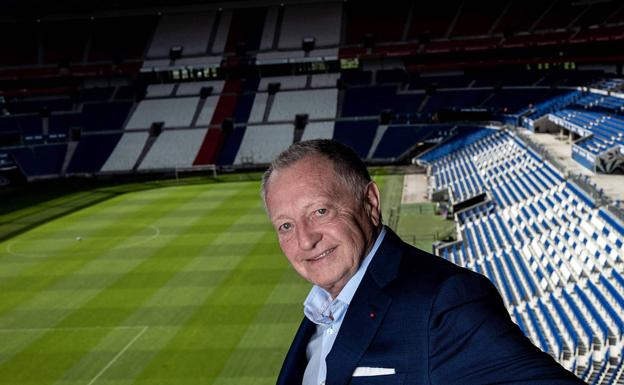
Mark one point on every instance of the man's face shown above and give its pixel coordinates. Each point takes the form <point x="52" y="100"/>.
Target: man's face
<point x="323" y="229"/>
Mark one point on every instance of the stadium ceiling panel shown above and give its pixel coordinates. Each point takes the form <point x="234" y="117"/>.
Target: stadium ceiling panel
<point x="41" y="8"/>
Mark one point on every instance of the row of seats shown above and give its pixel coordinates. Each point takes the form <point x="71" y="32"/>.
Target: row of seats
<point x="597" y="101"/>
<point x="611" y="85"/>
<point x="208" y="34"/>
<point x="606" y="131"/>
<point x="252" y="144"/>
<point x="531" y="113"/>
<point x="319" y="102"/>
<point x="178" y="105"/>
<point x="554" y="256"/>
<point x="480" y="174"/>
<point x="348" y="116"/>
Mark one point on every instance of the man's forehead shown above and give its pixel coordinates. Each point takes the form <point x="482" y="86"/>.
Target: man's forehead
<point x="311" y="173"/>
<point x="309" y="166"/>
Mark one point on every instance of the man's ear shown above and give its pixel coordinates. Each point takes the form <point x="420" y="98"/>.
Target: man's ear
<point x="372" y="202"/>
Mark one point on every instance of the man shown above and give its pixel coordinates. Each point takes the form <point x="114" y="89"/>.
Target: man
<point x="381" y="311"/>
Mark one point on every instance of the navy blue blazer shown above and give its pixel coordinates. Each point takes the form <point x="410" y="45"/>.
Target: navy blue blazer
<point x="430" y="320"/>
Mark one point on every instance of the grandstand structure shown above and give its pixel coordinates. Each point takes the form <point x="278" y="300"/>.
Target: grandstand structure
<point x="165" y="88"/>
<point x="555" y="256"/>
<point x="225" y="85"/>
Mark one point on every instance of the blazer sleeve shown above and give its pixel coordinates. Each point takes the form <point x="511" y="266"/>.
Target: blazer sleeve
<point x="472" y="339"/>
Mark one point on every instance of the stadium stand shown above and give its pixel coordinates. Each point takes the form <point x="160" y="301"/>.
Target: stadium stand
<point x="318" y="21"/>
<point x="40" y="161"/>
<point x="285" y="82"/>
<point x="222" y="31"/>
<point x="79" y="95"/>
<point x="91" y="152"/>
<point x="126" y="152"/>
<point x="190" y="31"/>
<point x="159" y="90"/>
<point x="194" y="88"/>
<point x="318" y="130"/>
<point x="317" y="103"/>
<point x="542" y="241"/>
<point x="174" y="112"/>
<point x="398" y="139"/>
<point x="259" y="107"/>
<point x="261" y="143"/>
<point x="174" y="148"/>
<point x="324" y="80"/>
<point x="207" y="111"/>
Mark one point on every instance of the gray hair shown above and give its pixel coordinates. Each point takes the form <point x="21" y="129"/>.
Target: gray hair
<point x="347" y="164"/>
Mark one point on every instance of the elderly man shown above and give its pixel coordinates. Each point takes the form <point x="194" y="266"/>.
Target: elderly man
<point x="381" y="311"/>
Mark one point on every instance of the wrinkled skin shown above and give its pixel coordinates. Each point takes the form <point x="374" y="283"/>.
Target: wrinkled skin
<point x="323" y="230"/>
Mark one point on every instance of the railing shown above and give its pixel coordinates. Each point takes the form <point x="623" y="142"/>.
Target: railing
<point x="541" y="150"/>
<point x="597" y="194"/>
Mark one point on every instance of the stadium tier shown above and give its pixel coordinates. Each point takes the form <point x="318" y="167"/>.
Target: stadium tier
<point x="381" y="121"/>
<point x="274" y="33"/>
<point x="155" y="88"/>
<point x="555" y="257"/>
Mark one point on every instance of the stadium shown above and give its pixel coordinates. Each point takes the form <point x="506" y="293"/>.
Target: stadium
<point x="134" y="246"/>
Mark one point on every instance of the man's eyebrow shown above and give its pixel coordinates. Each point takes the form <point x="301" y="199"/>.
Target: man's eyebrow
<point x="323" y="201"/>
<point x="278" y="217"/>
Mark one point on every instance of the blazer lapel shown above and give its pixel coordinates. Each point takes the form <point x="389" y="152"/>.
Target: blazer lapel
<point x="366" y="312"/>
<point x="295" y="362"/>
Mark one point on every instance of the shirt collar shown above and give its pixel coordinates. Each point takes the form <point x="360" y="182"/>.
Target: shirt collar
<point x="317" y="305"/>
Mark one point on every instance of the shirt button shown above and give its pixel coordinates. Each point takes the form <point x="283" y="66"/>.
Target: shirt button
<point x="330" y="331"/>
<point x="322" y="383"/>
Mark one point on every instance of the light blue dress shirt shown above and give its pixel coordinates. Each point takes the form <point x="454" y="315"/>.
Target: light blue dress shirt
<point x="328" y="314"/>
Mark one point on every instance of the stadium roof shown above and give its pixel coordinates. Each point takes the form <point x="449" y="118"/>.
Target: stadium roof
<point x="33" y="9"/>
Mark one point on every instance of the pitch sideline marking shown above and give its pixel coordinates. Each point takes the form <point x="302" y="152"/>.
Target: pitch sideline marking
<point x="121" y="352"/>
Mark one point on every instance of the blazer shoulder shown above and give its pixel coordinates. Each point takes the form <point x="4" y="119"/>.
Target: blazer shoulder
<point x="431" y="268"/>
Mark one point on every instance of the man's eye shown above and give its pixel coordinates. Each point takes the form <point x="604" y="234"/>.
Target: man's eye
<point x="321" y="211"/>
<point x="285" y="227"/>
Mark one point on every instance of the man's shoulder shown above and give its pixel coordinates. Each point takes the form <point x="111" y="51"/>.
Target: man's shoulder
<point x="420" y="269"/>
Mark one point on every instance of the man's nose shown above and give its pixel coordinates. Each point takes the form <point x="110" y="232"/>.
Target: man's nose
<point x="308" y="236"/>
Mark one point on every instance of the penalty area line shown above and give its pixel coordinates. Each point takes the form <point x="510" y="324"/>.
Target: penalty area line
<point x="121" y="352"/>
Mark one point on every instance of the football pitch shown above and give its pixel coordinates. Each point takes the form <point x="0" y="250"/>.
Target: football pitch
<point x="178" y="284"/>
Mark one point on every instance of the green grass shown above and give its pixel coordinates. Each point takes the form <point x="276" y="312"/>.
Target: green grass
<point x="169" y="285"/>
<point x="149" y="283"/>
<point x="420" y="226"/>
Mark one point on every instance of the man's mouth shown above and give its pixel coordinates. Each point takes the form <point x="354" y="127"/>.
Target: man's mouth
<point x="322" y="255"/>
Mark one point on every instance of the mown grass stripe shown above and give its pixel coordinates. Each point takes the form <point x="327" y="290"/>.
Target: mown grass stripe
<point x="62" y="267"/>
<point x="158" y="302"/>
<point x="74" y="300"/>
<point x="209" y="324"/>
<point x="131" y="299"/>
<point x="220" y="301"/>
